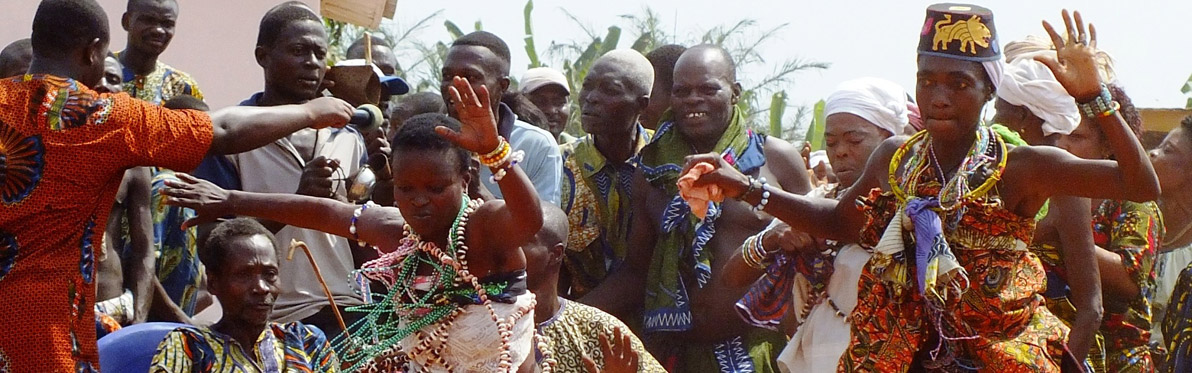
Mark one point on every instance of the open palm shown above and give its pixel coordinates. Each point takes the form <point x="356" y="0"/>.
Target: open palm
<point x="478" y="126"/>
<point x="1074" y="65"/>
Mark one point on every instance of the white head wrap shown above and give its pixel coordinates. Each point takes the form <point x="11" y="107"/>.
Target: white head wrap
<point x="817" y="157"/>
<point x="879" y="101"/>
<point x="1030" y="83"/>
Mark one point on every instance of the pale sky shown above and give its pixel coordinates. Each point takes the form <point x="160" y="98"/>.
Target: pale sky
<point x="877" y="38"/>
<point x="1149" y="39"/>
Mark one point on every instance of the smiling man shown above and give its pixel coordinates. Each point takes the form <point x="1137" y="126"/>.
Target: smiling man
<point x="598" y="168"/>
<point x="674" y="259"/>
<point x="242" y="266"/>
<point x="150" y="27"/>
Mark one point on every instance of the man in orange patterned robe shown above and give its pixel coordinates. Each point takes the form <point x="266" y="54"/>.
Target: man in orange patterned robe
<point x="63" y="149"/>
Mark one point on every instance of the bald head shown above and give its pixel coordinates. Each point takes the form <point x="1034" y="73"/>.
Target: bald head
<point x="631" y="66"/>
<point x="710" y="57"/>
<point x="554" y="226"/>
<point x="15" y="58"/>
<point x="544" y="256"/>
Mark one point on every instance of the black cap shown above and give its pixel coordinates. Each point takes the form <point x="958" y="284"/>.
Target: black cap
<point x="960" y="31"/>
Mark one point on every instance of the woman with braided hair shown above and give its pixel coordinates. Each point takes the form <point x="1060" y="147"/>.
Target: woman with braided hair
<point x="457" y="298"/>
<point x="950" y="211"/>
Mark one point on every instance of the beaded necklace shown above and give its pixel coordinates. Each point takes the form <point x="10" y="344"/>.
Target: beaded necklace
<point x="985" y="160"/>
<point x="390" y="321"/>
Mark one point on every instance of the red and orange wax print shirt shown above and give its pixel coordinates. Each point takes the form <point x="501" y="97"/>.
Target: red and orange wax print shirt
<point x="63" y="151"/>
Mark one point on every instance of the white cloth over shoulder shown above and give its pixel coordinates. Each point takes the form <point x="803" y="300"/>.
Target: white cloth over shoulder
<point x="824" y="336"/>
<point x="1029" y="83"/>
<point x="881" y="102"/>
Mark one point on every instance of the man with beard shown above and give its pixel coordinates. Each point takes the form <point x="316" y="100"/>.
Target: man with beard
<point x="675" y="255"/>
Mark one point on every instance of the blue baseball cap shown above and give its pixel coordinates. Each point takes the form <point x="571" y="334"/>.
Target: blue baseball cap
<point x="391" y="84"/>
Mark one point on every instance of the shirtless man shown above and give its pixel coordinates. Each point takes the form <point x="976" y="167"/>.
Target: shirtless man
<point x="689" y="317"/>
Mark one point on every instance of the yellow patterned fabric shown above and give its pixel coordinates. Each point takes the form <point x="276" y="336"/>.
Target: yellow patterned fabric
<point x="597" y="197"/>
<point x="575" y="331"/>
<point x="161" y="85"/>
<point x="291" y="347"/>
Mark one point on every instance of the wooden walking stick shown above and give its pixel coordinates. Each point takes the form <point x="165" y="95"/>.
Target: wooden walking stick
<point x="294" y="244"/>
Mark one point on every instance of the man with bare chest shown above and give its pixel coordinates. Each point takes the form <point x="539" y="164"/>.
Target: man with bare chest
<point x="674" y="258"/>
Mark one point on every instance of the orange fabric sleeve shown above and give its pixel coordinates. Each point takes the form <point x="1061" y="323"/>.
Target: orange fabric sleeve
<point x="156" y="136"/>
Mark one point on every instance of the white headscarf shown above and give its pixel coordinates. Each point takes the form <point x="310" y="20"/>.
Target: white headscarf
<point x="879" y="101"/>
<point x="1030" y="83"/>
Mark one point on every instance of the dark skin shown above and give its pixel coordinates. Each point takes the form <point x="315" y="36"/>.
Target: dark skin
<point x="1170" y="160"/>
<point x="610" y="106"/>
<point x="481" y="67"/>
<point x="703" y="83"/>
<point x="246" y="285"/>
<point x="1089" y="143"/>
<point x="427" y="193"/>
<point x="113" y="77"/>
<point x="150" y="27"/>
<point x="1066" y="227"/>
<point x="138" y="274"/>
<point x="950" y="93"/>
<point x="1021" y="120"/>
<point x="849" y="140"/>
<point x="376" y="141"/>
<point x="294" y="65"/>
<point x="235" y="130"/>
<point x="553" y="101"/>
<point x="660" y="101"/>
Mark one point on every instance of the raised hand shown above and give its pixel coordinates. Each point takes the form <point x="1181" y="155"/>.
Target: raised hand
<point x="619" y="356"/>
<point x="1074" y="65"/>
<point x="478" y="130"/>
<point x="732" y="183"/>
<point x="210" y="202"/>
<point x="329" y="112"/>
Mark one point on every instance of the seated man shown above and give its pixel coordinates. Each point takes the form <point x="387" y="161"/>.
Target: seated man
<point x="241" y="262"/>
<point x="573" y="329"/>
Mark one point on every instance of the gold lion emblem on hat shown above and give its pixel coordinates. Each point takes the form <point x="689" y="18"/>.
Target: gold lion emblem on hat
<point x="970" y="32"/>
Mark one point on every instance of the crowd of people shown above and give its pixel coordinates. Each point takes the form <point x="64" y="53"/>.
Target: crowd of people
<point x="470" y="232"/>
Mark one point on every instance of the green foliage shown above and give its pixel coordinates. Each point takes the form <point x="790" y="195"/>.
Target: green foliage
<point x="531" y="50"/>
<point x="1187" y="90"/>
<point x="777" y="108"/>
<point x="815" y="132"/>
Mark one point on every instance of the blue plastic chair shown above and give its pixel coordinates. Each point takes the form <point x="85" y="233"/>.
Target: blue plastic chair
<point x="131" y="349"/>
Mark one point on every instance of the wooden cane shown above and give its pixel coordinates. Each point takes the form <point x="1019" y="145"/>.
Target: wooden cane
<point x="294" y="244"/>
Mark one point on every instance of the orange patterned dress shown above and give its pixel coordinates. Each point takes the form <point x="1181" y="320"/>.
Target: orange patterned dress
<point x="992" y="318"/>
<point x="63" y="150"/>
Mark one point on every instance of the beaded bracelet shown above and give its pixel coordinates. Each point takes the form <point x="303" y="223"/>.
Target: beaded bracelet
<point x="1101" y="106"/>
<point x="748" y="252"/>
<point x="355" y="217"/>
<point x="761" y="205"/>
<point x="497" y="156"/>
<point x="513" y="160"/>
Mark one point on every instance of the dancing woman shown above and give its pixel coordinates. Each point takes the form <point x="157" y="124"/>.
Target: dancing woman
<point x="950" y="211"/>
<point x="457" y="296"/>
